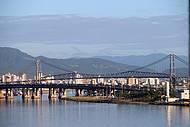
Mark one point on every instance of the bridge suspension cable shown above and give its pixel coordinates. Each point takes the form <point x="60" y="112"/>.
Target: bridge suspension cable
<point x="72" y="73"/>
<point x="181" y="60"/>
<point x="27" y="67"/>
<point x="153" y="63"/>
<point x="56" y="67"/>
<point x="117" y="73"/>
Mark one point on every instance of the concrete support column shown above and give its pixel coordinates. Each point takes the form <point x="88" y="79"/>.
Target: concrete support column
<point x="54" y="93"/>
<point x="41" y="91"/>
<point x="6" y="93"/>
<point x="61" y="93"/>
<point x="77" y="93"/>
<point x="27" y="92"/>
<point x="49" y="95"/>
<point x="1" y="94"/>
<point x="168" y="91"/>
<point x="9" y="94"/>
<point x="35" y="93"/>
<point x="23" y="93"/>
<point x="32" y="93"/>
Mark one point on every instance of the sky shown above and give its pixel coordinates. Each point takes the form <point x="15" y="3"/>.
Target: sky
<point x="95" y="8"/>
<point x="111" y="9"/>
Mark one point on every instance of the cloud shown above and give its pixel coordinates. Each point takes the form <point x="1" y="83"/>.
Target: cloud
<point x="71" y="35"/>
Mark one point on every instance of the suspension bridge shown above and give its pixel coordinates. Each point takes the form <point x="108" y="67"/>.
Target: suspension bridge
<point x="69" y="77"/>
<point x="135" y="73"/>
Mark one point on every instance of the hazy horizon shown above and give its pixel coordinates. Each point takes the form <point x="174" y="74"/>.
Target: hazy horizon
<point x="64" y="29"/>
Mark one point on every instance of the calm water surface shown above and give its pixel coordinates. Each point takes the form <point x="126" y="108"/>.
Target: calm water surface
<point x="44" y="113"/>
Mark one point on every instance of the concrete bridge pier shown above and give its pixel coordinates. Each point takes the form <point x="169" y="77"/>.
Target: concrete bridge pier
<point x="41" y="92"/>
<point x="35" y="93"/>
<point x="6" y="94"/>
<point x="52" y="93"/>
<point x="9" y="94"/>
<point x="1" y="94"/>
<point x="77" y="92"/>
<point x="25" y="94"/>
<point x="61" y="93"/>
<point x="32" y="97"/>
<point x="49" y="95"/>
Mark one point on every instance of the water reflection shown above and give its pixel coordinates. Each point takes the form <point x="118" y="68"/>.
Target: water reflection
<point x="169" y="114"/>
<point x="177" y="116"/>
<point x="45" y="113"/>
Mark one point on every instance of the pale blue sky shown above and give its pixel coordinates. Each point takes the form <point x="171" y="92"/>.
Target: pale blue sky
<point x="95" y="8"/>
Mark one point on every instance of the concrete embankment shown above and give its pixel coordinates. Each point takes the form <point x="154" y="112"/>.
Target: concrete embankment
<point x="96" y="99"/>
<point x="100" y="99"/>
<point x="171" y="103"/>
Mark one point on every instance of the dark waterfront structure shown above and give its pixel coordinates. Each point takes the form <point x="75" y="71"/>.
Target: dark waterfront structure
<point x="60" y="88"/>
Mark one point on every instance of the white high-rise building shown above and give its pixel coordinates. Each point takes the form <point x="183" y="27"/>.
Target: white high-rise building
<point x="8" y="78"/>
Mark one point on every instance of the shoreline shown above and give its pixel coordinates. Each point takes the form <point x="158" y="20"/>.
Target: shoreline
<point x="100" y="99"/>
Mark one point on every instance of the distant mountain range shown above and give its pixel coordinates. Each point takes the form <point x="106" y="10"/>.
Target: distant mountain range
<point x="15" y="61"/>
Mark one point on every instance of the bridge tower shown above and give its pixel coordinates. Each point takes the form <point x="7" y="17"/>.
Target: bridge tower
<point x="172" y="70"/>
<point x="35" y="91"/>
<point x="38" y="71"/>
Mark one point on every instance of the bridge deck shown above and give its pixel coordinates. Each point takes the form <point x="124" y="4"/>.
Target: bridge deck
<point x="69" y="86"/>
